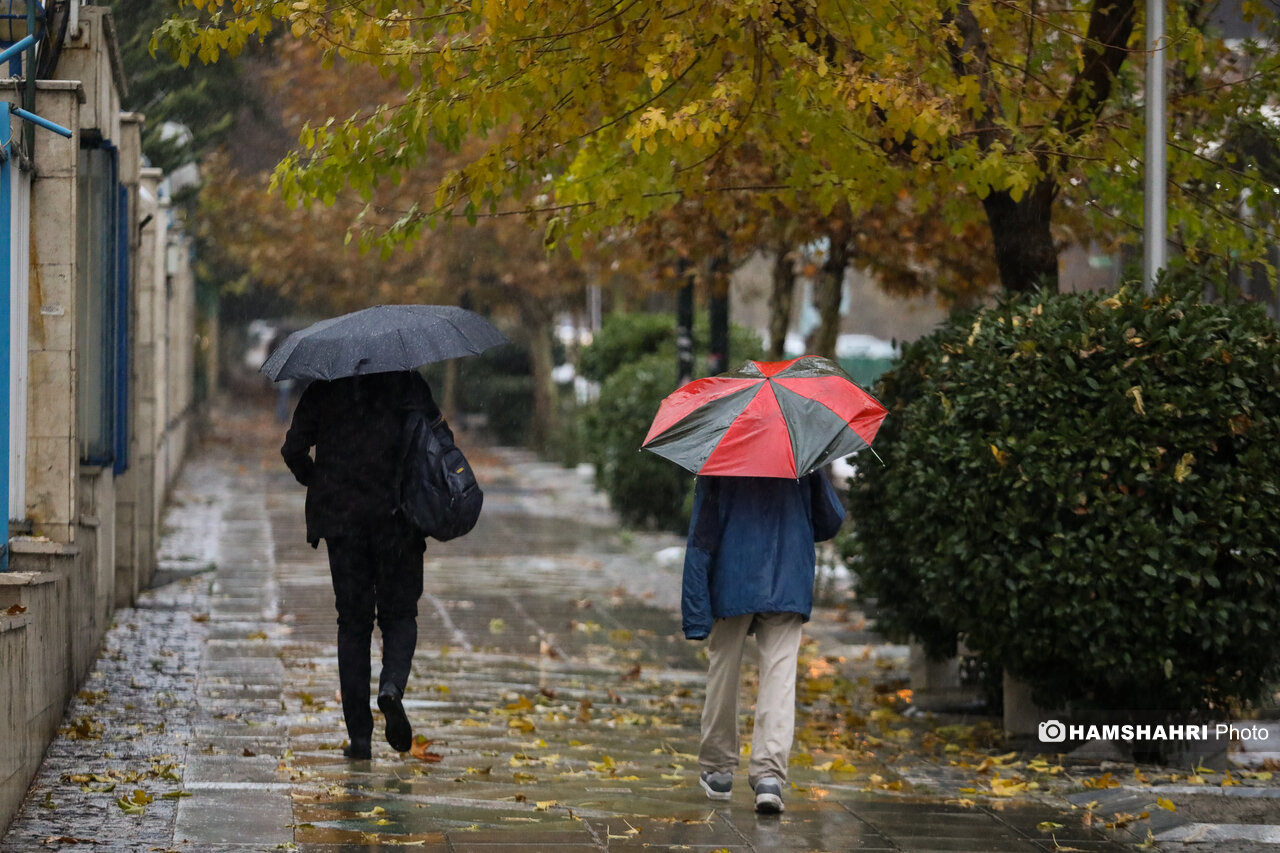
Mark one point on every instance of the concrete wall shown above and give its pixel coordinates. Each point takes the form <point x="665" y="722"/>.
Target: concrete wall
<point x="92" y="541"/>
<point x="14" y="776"/>
<point x="36" y="678"/>
<point x="179" y="357"/>
<point x="52" y="455"/>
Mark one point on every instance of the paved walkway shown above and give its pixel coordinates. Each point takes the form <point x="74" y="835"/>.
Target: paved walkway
<point x="560" y="702"/>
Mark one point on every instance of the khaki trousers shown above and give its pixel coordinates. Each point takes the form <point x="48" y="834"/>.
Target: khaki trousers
<point x="778" y="640"/>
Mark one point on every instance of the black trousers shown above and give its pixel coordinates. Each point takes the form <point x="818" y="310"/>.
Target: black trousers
<point x="374" y="577"/>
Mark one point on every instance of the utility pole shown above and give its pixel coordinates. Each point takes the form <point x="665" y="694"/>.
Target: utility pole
<point x="1154" y="206"/>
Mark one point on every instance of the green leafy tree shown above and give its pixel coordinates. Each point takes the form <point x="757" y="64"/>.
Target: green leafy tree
<point x="189" y="112"/>
<point x="1084" y="488"/>
<point x="604" y="114"/>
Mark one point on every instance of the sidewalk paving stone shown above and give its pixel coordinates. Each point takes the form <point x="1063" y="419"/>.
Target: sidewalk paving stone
<point x="560" y="702"/>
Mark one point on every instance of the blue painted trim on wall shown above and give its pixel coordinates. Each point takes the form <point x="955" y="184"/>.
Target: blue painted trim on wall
<point x="122" y="361"/>
<point x="6" y="356"/>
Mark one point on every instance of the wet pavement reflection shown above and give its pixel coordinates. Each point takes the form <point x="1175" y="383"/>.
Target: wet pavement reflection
<point x="555" y="700"/>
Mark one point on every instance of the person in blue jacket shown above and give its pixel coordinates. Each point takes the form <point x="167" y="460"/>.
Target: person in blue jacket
<point x="749" y="569"/>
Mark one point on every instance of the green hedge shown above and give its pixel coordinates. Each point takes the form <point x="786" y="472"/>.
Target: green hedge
<point x="645" y="490"/>
<point x="498" y="383"/>
<point x="1085" y="488"/>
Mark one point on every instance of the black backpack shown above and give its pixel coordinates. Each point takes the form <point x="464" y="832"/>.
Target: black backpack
<point x="438" y="492"/>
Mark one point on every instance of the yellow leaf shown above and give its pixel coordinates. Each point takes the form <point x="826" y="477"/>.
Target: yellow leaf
<point x="1136" y="393"/>
<point x="1048" y="826"/>
<point x="1007" y="787"/>
<point x="1104" y="781"/>
<point x="1165" y="804"/>
<point x="1183" y="469"/>
<point x="1001" y="456"/>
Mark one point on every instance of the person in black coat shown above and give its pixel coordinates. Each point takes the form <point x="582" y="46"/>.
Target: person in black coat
<point x="375" y="555"/>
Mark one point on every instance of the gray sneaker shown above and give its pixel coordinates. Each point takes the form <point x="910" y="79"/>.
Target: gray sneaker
<point x="769" y="796"/>
<point x="719" y="786"/>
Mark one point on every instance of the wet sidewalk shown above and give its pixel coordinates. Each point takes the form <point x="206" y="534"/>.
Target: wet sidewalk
<point x="557" y="700"/>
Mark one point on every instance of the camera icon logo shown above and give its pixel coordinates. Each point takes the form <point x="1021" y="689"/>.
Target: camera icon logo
<point x="1052" y="731"/>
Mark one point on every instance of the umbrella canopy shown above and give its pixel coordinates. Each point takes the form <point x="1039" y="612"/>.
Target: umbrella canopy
<point x="766" y="419"/>
<point x="381" y="339"/>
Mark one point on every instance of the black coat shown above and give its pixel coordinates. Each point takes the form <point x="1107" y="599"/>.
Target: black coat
<point x="355" y="425"/>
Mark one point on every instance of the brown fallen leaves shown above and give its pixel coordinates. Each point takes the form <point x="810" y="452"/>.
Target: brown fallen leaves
<point x="421" y="750"/>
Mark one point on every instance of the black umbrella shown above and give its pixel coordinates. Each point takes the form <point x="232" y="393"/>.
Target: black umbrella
<point x="381" y="339"/>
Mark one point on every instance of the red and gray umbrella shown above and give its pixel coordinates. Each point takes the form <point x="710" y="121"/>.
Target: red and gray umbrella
<point x="766" y="419"/>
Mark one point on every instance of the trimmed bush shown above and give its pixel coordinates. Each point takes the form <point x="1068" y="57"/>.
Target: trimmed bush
<point x="497" y="383"/>
<point x="622" y="339"/>
<point x="1085" y="488"/>
<point x="645" y="490"/>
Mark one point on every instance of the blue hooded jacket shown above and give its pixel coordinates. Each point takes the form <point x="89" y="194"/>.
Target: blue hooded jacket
<point x="750" y="547"/>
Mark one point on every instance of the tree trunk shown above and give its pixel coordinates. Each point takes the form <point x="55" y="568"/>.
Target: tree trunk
<point x="718" y="343"/>
<point x="780" y="300"/>
<point x="536" y="320"/>
<point x="830" y="291"/>
<point x="1025" y="254"/>
<point x="546" y="414"/>
<point x="448" y="401"/>
<point x="684" y="325"/>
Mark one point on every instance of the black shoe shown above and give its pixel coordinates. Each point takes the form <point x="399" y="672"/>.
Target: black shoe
<point x="358" y="749"/>
<point x="399" y="732"/>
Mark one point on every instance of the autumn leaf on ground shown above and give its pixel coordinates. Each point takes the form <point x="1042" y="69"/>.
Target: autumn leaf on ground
<point x="836" y="765"/>
<point x="15" y="609"/>
<point x="1039" y="765"/>
<point x="420" y="751"/>
<point x="67" y="839"/>
<point x="1104" y="781"/>
<point x="1166" y="804"/>
<point x="84" y="728"/>
<point x="1048" y="826"/>
<point x="1058" y="848"/>
<point x="631" y="832"/>
<point x="1122" y="819"/>
<point x="1007" y="787"/>
<point x="135" y="803"/>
